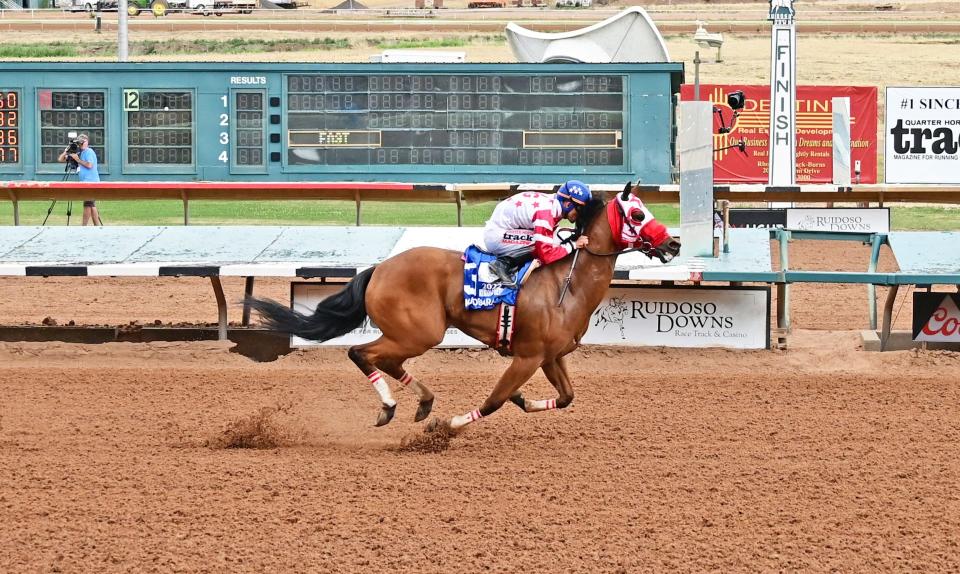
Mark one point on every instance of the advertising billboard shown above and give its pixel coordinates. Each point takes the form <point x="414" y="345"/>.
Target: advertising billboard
<point x="922" y="143"/>
<point x="729" y="317"/>
<point x="936" y="317"/>
<point x="814" y="144"/>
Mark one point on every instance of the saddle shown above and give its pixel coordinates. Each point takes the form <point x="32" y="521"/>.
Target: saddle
<point x="483" y="287"/>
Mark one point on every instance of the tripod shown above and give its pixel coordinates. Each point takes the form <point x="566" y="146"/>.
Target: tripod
<point x="68" y="170"/>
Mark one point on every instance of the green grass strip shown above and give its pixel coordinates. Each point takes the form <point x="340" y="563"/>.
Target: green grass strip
<point x="54" y="50"/>
<point x="145" y="212"/>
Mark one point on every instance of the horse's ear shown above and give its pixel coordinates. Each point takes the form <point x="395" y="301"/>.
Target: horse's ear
<point x="625" y="195"/>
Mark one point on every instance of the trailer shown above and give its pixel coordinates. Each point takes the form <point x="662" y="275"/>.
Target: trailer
<point x="86" y="5"/>
<point x="487" y="4"/>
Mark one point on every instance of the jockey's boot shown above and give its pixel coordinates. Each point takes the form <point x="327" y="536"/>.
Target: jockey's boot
<point x="506" y="266"/>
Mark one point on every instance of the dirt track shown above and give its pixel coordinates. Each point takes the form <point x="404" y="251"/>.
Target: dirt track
<point x="821" y="457"/>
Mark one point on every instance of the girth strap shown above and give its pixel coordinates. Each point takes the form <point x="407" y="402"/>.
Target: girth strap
<point x="505" y="321"/>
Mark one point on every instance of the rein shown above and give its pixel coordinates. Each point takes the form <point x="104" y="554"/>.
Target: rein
<point x="613" y="253"/>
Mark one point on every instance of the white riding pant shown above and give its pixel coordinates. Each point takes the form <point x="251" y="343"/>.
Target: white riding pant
<point x="504" y="241"/>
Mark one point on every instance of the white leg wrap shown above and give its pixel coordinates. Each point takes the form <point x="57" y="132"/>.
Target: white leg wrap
<point x="376" y="379"/>
<point x="537" y="406"/>
<point x="461" y="421"/>
<point x="410" y="383"/>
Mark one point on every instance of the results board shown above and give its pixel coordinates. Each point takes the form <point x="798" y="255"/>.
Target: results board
<point x="344" y="122"/>
<point x="66" y="112"/>
<point x="487" y="119"/>
<point x="9" y="126"/>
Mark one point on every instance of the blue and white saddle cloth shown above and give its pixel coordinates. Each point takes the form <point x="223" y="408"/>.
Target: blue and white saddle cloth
<point x="480" y="287"/>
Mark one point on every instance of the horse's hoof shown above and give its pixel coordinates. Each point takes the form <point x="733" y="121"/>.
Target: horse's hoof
<point x="518" y="400"/>
<point x="423" y="411"/>
<point x="386" y="415"/>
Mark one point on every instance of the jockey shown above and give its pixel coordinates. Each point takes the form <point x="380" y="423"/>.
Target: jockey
<point x="522" y="228"/>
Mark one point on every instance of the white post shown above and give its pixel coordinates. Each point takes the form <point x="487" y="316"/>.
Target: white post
<point x="695" y="141"/>
<point x="122" y="52"/>
<point x="841" y="141"/>
<point x="783" y="94"/>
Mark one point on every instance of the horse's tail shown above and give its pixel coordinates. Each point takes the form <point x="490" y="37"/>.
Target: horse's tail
<point x="336" y="315"/>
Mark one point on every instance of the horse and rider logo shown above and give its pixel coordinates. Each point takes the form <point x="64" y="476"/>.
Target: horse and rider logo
<point x="613" y="313"/>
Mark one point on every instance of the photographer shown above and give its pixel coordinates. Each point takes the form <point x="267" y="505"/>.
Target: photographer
<point x="84" y="160"/>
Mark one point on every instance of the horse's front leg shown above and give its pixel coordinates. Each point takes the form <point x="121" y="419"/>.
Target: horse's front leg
<point x="518" y="373"/>
<point x="556" y="372"/>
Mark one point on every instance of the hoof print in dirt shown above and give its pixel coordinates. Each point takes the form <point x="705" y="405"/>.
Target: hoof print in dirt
<point x="435" y="438"/>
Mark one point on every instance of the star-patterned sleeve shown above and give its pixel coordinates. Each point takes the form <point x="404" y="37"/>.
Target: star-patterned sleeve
<point x="545" y="244"/>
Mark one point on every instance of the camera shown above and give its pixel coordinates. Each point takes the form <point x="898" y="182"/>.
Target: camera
<point x="74" y="146"/>
<point x="736" y="100"/>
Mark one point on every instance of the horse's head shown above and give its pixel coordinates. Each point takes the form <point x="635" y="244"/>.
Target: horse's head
<point x="627" y="224"/>
<point x="633" y="226"/>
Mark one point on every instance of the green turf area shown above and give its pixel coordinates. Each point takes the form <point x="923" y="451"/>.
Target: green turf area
<point x="373" y="213"/>
<point x="270" y="213"/>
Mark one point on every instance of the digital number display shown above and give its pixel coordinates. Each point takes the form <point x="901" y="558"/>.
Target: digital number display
<point x="65" y="112"/>
<point x="250" y="127"/>
<point x="561" y="120"/>
<point x="159" y="125"/>
<point x="9" y="127"/>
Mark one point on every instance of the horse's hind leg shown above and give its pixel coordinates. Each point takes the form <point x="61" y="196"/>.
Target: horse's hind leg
<point x="556" y="372"/>
<point x="518" y="373"/>
<point x="395" y="369"/>
<point x="387" y="354"/>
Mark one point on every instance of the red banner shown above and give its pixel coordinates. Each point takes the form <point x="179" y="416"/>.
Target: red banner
<point x="814" y="132"/>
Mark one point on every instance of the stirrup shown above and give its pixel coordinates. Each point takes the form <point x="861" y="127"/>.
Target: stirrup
<point x="503" y="272"/>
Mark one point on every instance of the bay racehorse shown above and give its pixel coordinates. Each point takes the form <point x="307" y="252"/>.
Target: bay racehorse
<point x="414" y="296"/>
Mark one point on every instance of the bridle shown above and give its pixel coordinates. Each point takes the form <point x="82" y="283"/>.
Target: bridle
<point x="646" y="247"/>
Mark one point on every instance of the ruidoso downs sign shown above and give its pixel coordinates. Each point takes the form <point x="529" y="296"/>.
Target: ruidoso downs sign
<point x="923" y="135"/>
<point x="936" y="317"/>
<point x="844" y="220"/>
<point x="735" y="317"/>
<point x="641" y="316"/>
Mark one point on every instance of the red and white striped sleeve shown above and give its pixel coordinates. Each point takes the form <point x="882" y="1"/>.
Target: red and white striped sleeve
<point x="545" y="246"/>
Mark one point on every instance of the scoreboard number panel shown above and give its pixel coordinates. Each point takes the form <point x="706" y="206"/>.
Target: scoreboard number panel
<point x="249" y="128"/>
<point x="159" y="126"/>
<point x="9" y="128"/>
<point x="63" y="112"/>
<point x="451" y="119"/>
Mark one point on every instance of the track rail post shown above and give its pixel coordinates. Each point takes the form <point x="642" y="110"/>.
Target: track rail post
<point x="356" y="196"/>
<point x="186" y="207"/>
<point x="221" y="307"/>
<point x="888" y="316"/>
<point x="783" y="288"/>
<point x="16" y="206"/>
<point x="459" y="198"/>
<point x="875" y="243"/>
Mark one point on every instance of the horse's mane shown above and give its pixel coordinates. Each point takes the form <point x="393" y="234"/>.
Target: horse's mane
<point x="587" y="214"/>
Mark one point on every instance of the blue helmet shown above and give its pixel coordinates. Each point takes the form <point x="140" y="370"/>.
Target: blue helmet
<point x="572" y="195"/>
